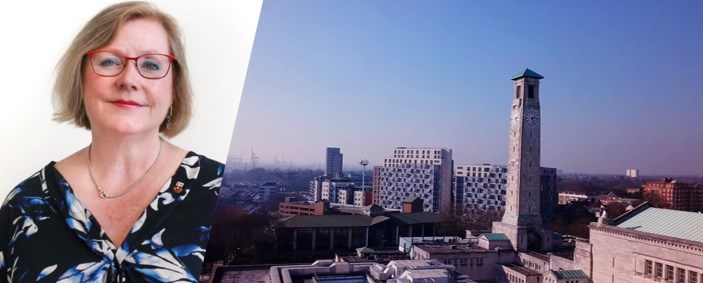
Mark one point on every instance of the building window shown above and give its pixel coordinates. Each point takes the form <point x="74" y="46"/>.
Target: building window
<point x="658" y="270"/>
<point x="669" y="273"/>
<point x="692" y="277"/>
<point x="531" y="91"/>
<point x="517" y="91"/>
<point x="681" y="275"/>
<point x="648" y="266"/>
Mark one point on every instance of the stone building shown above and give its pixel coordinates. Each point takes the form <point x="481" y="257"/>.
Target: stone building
<point x="648" y="244"/>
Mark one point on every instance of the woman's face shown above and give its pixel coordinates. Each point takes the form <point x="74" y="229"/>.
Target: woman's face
<point x="129" y="103"/>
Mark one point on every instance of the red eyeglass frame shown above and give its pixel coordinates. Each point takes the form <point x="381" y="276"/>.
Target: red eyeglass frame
<point x="127" y="58"/>
<point x="170" y="57"/>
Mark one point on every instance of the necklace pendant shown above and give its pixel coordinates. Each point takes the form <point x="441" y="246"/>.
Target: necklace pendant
<point x="103" y="195"/>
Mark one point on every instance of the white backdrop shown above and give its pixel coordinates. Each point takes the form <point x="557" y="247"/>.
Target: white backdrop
<point x="34" y="34"/>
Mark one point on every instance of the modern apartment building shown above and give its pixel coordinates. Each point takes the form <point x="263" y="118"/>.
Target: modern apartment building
<point x="425" y="173"/>
<point x="483" y="187"/>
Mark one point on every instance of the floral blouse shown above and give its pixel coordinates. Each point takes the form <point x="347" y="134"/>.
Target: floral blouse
<point x="47" y="235"/>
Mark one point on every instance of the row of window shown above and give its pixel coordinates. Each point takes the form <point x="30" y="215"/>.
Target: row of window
<point x="464" y="261"/>
<point x="392" y="161"/>
<point x="386" y="186"/>
<point x="483" y="169"/>
<point x="670" y="273"/>
<point x="417" y="151"/>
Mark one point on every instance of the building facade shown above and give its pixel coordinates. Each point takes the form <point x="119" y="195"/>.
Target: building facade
<point x="673" y="194"/>
<point x="632" y="173"/>
<point x="648" y="244"/>
<point x="483" y="187"/>
<point x="333" y="162"/>
<point x="266" y="189"/>
<point x="522" y="219"/>
<point x="425" y="173"/>
<point x="479" y="187"/>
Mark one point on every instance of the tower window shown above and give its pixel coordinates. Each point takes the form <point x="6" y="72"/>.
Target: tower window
<point x="531" y="91"/>
<point x="517" y="91"/>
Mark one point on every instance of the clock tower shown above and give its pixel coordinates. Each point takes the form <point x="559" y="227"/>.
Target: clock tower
<point x="522" y="221"/>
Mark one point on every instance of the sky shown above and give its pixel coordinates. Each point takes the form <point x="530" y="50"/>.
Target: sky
<point x="621" y="87"/>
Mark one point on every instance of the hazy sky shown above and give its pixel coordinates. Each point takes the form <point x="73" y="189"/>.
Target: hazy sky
<point x="621" y="89"/>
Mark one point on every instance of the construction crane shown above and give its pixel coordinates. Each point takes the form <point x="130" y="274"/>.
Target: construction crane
<point x="254" y="159"/>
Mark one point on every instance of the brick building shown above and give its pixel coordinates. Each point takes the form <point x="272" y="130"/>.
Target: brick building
<point x="672" y="194"/>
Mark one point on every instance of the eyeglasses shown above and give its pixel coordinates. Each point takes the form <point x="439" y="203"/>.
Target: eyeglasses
<point x="150" y="66"/>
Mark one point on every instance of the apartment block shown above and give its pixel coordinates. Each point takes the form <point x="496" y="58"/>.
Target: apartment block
<point x="425" y="173"/>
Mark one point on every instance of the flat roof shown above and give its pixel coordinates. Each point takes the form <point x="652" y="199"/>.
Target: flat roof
<point x="325" y="221"/>
<point x="450" y="249"/>
<point x="427" y="273"/>
<point x="522" y="270"/>
<point x="538" y="255"/>
<point x="336" y="220"/>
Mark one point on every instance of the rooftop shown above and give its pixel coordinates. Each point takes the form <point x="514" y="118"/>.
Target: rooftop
<point x="538" y="255"/>
<point x="449" y="249"/>
<point x="570" y="274"/>
<point x="527" y="73"/>
<point x="317" y="221"/>
<point x="414" y="218"/>
<point x="333" y="220"/>
<point x="426" y="274"/>
<point x="522" y="270"/>
<point x="665" y="222"/>
<point x="496" y="237"/>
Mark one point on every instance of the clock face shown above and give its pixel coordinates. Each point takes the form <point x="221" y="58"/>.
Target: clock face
<point x="532" y="117"/>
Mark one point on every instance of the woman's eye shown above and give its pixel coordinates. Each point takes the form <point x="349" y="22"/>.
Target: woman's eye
<point x="151" y="65"/>
<point x="110" y="62"/>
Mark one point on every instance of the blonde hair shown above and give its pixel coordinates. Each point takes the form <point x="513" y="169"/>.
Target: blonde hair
<point x="98" y="32"/>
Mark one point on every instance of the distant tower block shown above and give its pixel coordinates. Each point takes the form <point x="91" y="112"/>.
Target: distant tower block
<point x="632" y="173"/>
<point x="522" y="221"/>
<point x="334" y="162"/>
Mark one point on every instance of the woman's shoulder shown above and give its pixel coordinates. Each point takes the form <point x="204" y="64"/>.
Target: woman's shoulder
<point x="34" y="186"/>
<point x="204" y="163"/>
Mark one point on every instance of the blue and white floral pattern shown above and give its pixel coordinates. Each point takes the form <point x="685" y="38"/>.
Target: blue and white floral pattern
<point x="47" y="235"/>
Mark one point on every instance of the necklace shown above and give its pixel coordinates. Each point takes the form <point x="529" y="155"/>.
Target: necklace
<point x="103" y="194"/>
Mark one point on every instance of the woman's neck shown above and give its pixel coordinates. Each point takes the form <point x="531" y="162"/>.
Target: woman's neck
<point x="128" y="156"/>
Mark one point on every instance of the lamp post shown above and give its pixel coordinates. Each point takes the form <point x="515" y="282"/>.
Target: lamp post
<point x="363" y="163"/>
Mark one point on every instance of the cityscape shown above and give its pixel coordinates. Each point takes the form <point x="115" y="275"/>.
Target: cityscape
<point x="503" y="171"/>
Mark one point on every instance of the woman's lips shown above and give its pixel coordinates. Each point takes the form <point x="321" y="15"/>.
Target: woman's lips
<point x="126" y="103"/>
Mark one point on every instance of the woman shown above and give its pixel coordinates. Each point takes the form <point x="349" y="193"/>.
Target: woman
<point x="129" y="207"/>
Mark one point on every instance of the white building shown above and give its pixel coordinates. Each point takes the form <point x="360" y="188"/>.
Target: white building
<point x="479" y="187"/>
<point x="341" y="191"/>
<point x="566" y="198"/>
<point x="425" y="173"/>
<point x="632" y="173"/>
<point x="483" y="187"/>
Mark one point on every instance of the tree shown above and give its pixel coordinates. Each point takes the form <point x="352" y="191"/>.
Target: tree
<point x="656" y="200"/>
